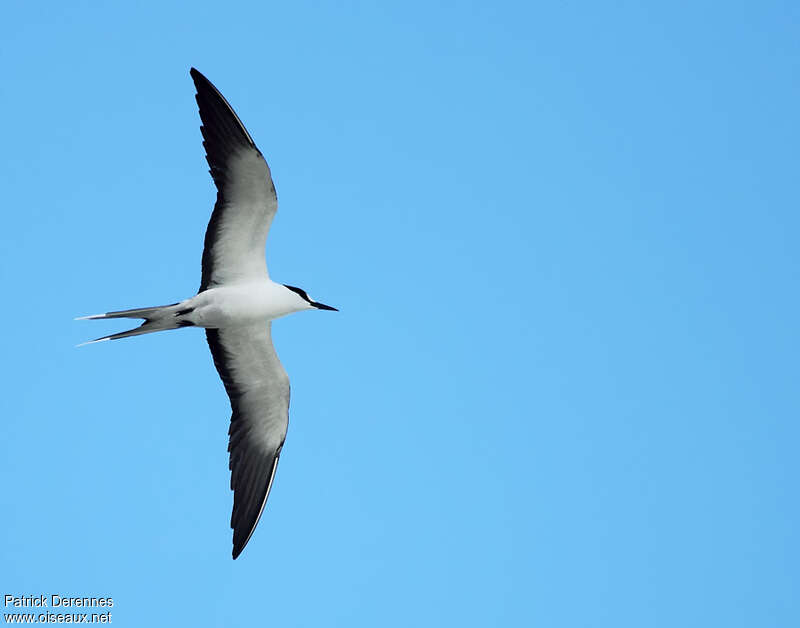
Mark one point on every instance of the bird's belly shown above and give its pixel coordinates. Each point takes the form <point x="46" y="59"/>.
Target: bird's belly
<point x="237" y="305"/>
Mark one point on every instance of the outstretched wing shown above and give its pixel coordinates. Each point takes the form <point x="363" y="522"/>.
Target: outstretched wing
<point x="246" y="200"/>
<point x="258" y="388"/>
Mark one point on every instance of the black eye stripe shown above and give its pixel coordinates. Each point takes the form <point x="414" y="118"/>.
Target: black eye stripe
<point x="299" y="291"/>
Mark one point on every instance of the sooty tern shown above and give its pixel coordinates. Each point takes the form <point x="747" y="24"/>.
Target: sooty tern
<point x="236" y="304"/>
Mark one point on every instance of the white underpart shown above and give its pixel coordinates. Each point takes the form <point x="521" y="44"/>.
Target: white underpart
<point x="243" y="303"/>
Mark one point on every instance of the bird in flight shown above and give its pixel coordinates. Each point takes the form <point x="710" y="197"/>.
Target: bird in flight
<point x="236" y="304"/>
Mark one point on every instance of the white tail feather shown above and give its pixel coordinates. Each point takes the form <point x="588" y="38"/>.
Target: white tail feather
<point x="91" y="342"/>
<point x="89" y="318"/>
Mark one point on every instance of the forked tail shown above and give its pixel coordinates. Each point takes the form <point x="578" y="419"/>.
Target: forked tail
<point x="158" y="318"/>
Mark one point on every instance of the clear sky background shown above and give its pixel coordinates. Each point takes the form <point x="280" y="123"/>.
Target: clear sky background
<point x="562" y="389"/>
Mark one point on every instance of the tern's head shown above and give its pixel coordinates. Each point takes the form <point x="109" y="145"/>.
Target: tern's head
<point x="306" y="302"/>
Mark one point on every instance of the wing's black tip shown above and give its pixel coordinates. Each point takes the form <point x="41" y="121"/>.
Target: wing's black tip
<point x="223" y="131"/>
<point x="250" y="493"/>
<point x="198" y="77"/>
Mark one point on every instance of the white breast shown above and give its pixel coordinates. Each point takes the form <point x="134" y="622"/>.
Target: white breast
<point x="243" y="303"/>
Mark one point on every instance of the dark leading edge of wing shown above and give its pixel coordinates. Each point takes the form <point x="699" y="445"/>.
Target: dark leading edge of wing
<point x="244" y="355"/>
<point x="224" y="137"/>
<point x="252" y="464"/>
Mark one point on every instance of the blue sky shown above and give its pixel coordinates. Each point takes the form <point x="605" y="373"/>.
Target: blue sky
<point x="562" y="387"/>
